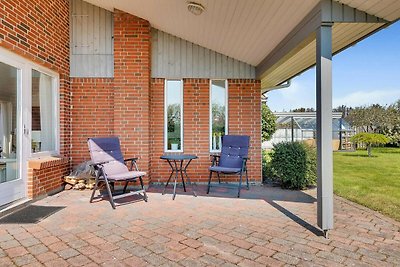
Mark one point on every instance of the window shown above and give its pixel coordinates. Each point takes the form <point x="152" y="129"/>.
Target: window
<point x="218" y="113"/>
<point x="173" y="110"/>
<point x="44" y="126"/>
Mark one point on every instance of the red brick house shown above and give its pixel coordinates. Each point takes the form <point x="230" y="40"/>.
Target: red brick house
<point x="159" y="77"/>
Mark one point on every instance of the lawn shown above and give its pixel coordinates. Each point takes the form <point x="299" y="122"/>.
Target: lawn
<point x="373" y="182"/>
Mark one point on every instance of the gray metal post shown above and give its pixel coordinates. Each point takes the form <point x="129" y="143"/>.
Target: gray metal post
<point x="324" y="128"/>
<point x="292" y="123"/>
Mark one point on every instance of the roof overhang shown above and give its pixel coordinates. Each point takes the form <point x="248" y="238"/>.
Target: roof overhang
<point x="276" y="36"/>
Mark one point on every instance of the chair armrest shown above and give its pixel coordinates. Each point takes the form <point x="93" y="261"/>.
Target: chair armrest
<point x="98" y="163"/>
<point x="131" y="159"/>
<point x="133" y="163"/>
<point x="215" y="158"/>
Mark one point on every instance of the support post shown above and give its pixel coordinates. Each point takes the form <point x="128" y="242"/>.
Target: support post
<point x="324" y="128"/>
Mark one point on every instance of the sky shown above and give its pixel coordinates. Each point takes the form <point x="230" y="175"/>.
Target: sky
<point x="367" y="73"/>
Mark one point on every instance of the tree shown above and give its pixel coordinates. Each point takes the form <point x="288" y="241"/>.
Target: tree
<point x="370" y="139"/>
<point x="268" y="127"/>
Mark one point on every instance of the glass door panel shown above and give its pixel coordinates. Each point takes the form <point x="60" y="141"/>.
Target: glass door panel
<point x="9" y="82"/>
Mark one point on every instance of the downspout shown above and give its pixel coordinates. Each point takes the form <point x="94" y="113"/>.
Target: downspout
<point x="269" y="89"/>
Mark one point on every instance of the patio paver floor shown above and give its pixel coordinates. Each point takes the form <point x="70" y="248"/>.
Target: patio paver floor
<point x="265" y="227"/>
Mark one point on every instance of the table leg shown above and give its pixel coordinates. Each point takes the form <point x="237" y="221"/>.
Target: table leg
<point x="175" y="180"/>
<point x="172" y="172"/>
<point x="188" y="179"/>
<point x="183" y="180"/>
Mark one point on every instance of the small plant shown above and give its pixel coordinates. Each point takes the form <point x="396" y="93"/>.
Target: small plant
<point x="293" y="165"/>
<point x="370" y="140"/>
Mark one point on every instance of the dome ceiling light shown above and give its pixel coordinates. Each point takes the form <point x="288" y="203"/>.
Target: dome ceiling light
<point x="195" y="8"/>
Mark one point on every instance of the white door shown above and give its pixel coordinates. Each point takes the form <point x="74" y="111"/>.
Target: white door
<point x="13" y="136"/>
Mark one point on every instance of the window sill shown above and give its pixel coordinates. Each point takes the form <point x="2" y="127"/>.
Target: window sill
<point x="46" y="162"/>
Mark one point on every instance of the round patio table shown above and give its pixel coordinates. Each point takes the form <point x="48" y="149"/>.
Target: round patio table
<point x="176" y="162"/>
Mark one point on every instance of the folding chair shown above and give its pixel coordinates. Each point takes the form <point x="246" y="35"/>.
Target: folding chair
<point x="232" y="160"/>
<point x="110" y="167"/>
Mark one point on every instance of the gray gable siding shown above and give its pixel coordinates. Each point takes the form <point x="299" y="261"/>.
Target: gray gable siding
<point x="175" y="58"/>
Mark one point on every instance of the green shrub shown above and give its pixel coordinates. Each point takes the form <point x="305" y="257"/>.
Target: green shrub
<point x="293" y="165"/>
<point x="266" y="164"/>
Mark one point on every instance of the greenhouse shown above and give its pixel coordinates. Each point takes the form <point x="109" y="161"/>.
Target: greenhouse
<point x="301" y="126"/>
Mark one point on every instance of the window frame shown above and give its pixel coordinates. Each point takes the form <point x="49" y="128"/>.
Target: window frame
<point x="55" y="78"/>
<point x="210" y="113"/>
<point x="166" y="116"/>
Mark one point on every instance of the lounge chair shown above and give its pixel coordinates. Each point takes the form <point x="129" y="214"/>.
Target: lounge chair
<point x="110" y="167"/>
<point x="232" y="159"/>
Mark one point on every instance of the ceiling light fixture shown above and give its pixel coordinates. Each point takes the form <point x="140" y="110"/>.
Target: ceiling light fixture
<point x="195" y="8"/>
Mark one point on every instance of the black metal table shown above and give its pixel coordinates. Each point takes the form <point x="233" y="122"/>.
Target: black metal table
<point x="176" y="161"/>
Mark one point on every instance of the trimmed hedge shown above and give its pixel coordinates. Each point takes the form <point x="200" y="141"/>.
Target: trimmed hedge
<point x="293" y="165"/>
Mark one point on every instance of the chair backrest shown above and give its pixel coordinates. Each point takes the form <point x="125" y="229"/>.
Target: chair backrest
<point x="234" y="149"/>
<point x="107" y="149"/>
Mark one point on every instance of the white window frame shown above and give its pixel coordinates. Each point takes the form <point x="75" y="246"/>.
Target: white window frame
<point x="55" y="82"/>
<point x="166" y="116"/>
<point x="210" y="112"/>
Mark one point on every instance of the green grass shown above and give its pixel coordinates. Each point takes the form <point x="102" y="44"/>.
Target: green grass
<point x="373" y="182"/>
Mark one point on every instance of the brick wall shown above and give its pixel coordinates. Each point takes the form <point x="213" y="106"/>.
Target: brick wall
<point x="93" y="103"/>
<point x="39" y="31"/>
<point x="244" y="117"/>
<point x="118" y="106"/>
<point x="132" y="38"/>
<point x="44" y="176"/>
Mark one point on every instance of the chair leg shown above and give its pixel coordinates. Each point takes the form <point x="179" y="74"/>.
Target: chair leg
<point x="219" y="179"/>
<point x="247" y="181"/>
<point x="110" y="194"/>
<point x="126" y="185"/>
<point x="240" y="183"/>
<point x="209" y="182"/>
<point x="144" y="191"/>
<point x="96" y="185"/>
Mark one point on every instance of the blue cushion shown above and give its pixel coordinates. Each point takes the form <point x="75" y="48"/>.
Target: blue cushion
<point x="224" y="169"/>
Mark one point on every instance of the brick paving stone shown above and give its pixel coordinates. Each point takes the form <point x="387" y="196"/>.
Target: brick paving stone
<point x="229" y="257"/>
<point x="157" y="248"/>
<point x="263" y="250"/>
<point x="16" y="252"/>
<point x="173" y="255"/>
<point x="56" y="263"/>
<point x="211" y="260"/>
<point x="48" y="240"/>
<point x="249" y="263"/>
<point x="155" y="259"/>
<point x="283" y="257"/>
<point x="29" y="242"/>
<point x="37" y="249"/>
<point x="191" y="243"/>
<point x="135" y="262"/>
<point x="242" y="243"/>
<point x="269" y="261"/>
<point x="247" y="254"/>
<point x="256" y="241"/>
<point x="192" y="253"/>
<point x="47" y="256"/>
<point x="24" y="260"/>
<point x="101" y="257"/>
<point x="331" y="256"/>
<point x="79" y="260"/>
<point x="67" y="253"/>
<point x="189" y="262"/>
<point x="139" y="251"/>
<point x="9" y="244"/>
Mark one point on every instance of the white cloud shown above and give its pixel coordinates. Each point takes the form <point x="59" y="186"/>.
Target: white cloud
<point x="296" y="96"/>
<point x="361" y="98"/>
